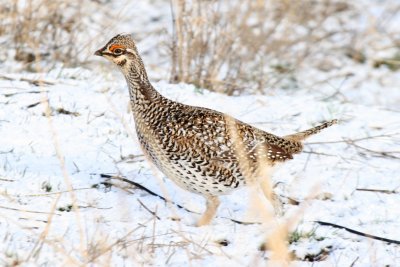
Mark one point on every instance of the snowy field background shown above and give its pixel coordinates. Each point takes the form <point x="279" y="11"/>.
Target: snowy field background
<point x="48" y="163"/>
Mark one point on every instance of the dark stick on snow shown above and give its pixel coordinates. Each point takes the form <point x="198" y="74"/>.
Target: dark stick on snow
<point x="391" y="241"/>
<point x="384" y="191"/>
<point x="141" y="187"/>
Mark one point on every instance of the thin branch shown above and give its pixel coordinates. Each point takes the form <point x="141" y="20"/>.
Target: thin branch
<point x="384" y="191"/>
<point x="146" y="208"/>
<point x="141" y="187"/>
<point x="354" y="262"/>
<point x="378" y="153"/>
<point x="34" y="104"/>
<point x="56" y="193"/>
<point x="29" y="211"/>
<point x="352" y="140"/>
<point x="6" y="180"/>
<point x="36" y="82"/>
<point x="22" y="92"/>
<point x="118" y="241"/>
<point x="390" y="241"/>
<point x="7" y="152"/>
<point x="318" y="153"/>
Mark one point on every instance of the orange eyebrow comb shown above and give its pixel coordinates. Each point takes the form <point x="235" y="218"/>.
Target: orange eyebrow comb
<point x="115" y="46"/>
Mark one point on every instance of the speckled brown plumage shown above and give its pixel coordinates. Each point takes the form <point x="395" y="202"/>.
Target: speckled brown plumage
<point x="200" y="149"/>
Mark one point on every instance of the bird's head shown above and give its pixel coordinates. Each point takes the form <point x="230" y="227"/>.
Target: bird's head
<point x="121" y="50"/>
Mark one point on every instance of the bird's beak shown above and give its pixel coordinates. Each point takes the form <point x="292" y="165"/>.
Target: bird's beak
<point x="99" y="52"/>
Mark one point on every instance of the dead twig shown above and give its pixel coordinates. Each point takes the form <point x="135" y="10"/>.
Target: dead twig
<point x="354" y="262"/>
<point x="7" y="152"/>
<point x="23" y="92"/>
<point x="141" y="187"/>
<point x="390" y="241"/>
<point x="56" y="193"/>
<point x="353" y="140"/>
<point x="29" y="211"/>
<point x="132" y="158"/>
<point x="6" y="180"/>
<point x="384" y="191"/>
<point x="319" y="153"/>
<point x="146" y="208"/>
<point x="118" y="241"/>
<point x="36" y="82"/>
<point x="34" y="104"/>
<point x="388" y="154"/>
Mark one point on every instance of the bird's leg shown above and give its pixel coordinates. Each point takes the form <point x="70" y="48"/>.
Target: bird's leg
<point x="277" y="204"/>
<point x="274" y="199"/>
<point x="212" y="206"/>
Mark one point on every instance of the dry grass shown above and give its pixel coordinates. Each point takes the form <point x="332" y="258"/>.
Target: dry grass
<point x="237" y="46"/>
<point x="42" y="29"/>
<point x="249" y="46"/>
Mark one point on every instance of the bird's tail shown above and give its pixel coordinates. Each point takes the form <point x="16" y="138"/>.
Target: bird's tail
<point x="304" y="134"/>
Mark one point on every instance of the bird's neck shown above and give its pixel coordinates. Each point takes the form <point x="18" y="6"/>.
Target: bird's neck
<point x="140" y="89"/>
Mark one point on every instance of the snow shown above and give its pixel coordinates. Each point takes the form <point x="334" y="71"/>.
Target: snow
<point x="42" y="157"/>
<point x="101" y="139"/>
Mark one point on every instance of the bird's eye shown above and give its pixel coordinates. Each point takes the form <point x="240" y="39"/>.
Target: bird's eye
<point x="117" y="51"/>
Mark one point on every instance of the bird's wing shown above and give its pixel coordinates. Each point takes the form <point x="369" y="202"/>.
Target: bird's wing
<point x="223" y="139"/>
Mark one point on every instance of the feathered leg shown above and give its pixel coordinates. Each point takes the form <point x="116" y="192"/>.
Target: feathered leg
<point x="208" y="215"/>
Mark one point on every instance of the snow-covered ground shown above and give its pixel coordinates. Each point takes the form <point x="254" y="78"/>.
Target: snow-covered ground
<point x="90" y="131"/>
<point x="41" y="157"/>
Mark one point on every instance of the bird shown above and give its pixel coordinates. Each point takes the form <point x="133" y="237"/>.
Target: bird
<point x="202" y="150"/>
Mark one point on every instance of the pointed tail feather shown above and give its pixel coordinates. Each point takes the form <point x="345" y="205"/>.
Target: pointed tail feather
<point x="304" y="134"/>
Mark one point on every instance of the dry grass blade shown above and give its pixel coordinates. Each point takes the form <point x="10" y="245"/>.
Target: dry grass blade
<point x="41" y="240"/>
<point x="36" y="82"/>
<point x="355" y="139"/>
<point x="56" y="193"/>
<point x="29" y="211"/>
<point x="67" y="179"/>
<point x="60" y="250"/>
<point x="93" y="258"/>
<point x="150" y="211"/>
